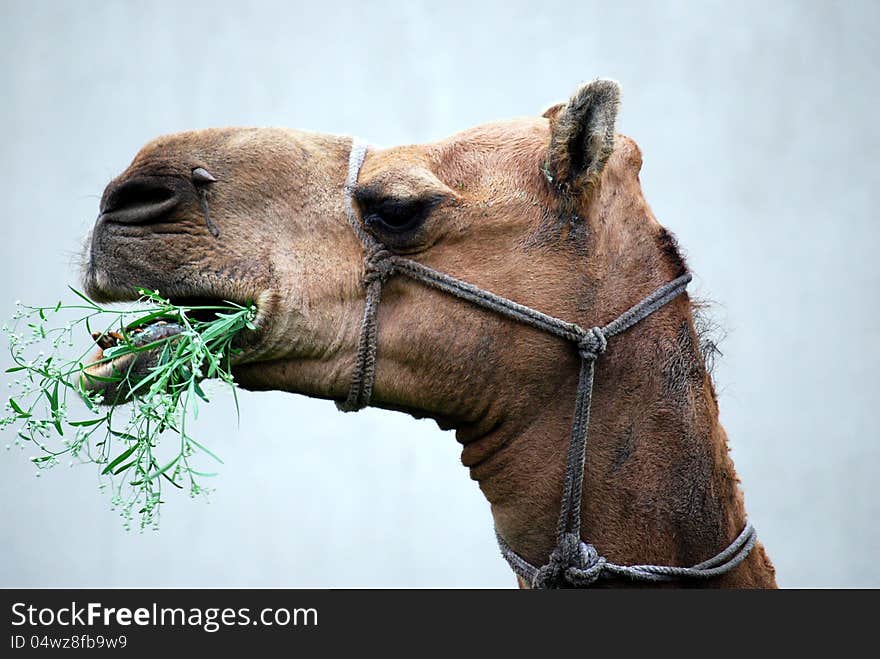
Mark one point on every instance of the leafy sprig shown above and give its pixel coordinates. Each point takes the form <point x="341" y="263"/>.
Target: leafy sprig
<point x="172" y="350"/>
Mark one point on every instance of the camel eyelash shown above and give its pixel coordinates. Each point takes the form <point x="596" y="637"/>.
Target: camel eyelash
<point x="395" y="214"/>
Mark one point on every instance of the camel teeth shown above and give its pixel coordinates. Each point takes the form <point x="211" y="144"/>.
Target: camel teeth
<point x="105" y="340"/>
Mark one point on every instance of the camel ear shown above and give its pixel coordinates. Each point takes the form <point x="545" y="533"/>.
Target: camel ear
<point x="582" y="136"/>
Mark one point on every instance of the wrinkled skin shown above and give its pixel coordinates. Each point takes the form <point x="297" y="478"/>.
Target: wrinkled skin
<point x="659" y="485"/>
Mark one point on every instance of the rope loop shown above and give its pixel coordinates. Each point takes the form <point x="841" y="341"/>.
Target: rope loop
<point x="379" y="265"/>
<point x="592" y="344"/>
<point x="573" y="564"/>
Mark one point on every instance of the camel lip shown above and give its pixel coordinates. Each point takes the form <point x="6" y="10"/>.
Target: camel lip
<point x="96" y="371"/>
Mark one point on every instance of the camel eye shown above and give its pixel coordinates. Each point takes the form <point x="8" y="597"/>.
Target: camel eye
<point x="396" y="215"/>
<point x="201" y="176"/>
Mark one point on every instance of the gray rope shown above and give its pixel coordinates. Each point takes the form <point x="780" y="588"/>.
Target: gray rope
<point x="365" y="359"/>
<point x="496" y="303"/>
<point x="573" y="562"/>
<point x="355" y="161"/>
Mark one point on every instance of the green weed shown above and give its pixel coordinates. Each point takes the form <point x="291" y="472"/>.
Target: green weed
<point x="144" y="385"/>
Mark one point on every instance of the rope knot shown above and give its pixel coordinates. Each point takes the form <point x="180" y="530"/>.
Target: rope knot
<point x="573" y="564"/>
<point x="378" y="265"/>
<point x="592" y="344"/>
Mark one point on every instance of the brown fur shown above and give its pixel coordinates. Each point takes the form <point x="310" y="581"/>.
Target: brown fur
<point x="659" y="485"/>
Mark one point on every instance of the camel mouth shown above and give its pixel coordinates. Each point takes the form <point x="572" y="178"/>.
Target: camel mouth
<point x="114" y="377"/>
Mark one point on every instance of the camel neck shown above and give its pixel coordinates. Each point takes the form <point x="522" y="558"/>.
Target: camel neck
<point x="659" y="486"/>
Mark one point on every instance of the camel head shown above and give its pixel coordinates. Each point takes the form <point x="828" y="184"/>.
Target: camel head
<point x="246" y="214"/>
<point x="544" y="210"/>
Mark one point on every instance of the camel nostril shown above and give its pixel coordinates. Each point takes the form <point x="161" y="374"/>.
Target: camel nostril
<point x="140" y="201"/>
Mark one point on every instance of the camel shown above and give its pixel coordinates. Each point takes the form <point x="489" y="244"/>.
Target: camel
<point x="546" y="211"/>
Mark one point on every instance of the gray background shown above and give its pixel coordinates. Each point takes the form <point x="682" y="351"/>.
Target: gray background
<point x="758" y="127"/>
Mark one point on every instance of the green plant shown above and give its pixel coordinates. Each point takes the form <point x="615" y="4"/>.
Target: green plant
<point x="143" y="384"/>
